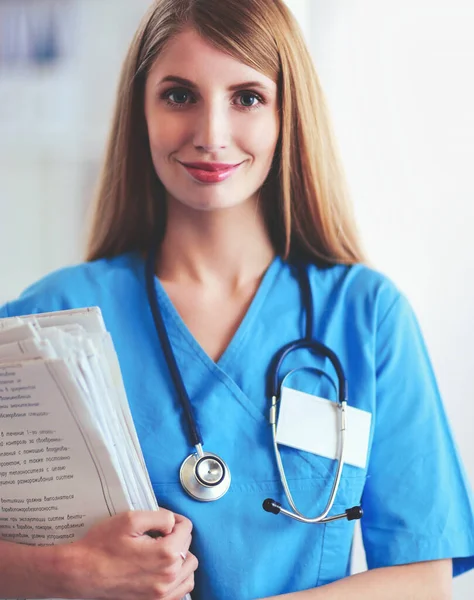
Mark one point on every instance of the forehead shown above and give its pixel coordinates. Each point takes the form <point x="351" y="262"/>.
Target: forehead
<point x="190" y="56"/>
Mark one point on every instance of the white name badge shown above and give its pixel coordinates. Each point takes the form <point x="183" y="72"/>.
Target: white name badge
<point x="309" y="423"/>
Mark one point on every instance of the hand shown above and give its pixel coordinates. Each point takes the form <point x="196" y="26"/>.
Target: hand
<point x="117" y="560"/>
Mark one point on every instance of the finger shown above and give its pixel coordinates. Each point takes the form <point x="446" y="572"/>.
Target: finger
<point x="139" y="522"/>
<point x="180" y="575"/>
<point x="185" y="587"/>
<point x="184" y="552"/>
<point x="181" y="518"/>
<point x="179" y="539"/>
<point x="189" y="566"/>
<point x="188" y="544"/>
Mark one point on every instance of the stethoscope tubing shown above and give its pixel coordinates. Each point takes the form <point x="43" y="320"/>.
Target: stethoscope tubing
<point x="319" y="348"/>
<point x="194" y="430"/>
<point x="297" y="515"/>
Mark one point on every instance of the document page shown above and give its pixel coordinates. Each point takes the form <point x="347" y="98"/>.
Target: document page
<point x="55" y="479"/>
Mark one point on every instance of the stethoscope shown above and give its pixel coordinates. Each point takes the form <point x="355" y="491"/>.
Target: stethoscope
<point x="204" y="475"/>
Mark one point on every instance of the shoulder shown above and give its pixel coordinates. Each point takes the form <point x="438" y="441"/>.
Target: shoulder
<point x="361" y="291"/>
<point x="84" y="284"/>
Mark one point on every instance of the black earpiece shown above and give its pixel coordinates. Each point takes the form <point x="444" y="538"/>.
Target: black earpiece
<point x="271" y="506"/>
<point x="354" y="513"/>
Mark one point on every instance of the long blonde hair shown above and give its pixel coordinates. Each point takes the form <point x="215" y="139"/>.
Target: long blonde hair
<point x="305" y="198"/>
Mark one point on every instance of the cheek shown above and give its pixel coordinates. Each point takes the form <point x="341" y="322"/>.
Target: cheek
<point x="260" y="138"/>
<point x="165" y="135"/>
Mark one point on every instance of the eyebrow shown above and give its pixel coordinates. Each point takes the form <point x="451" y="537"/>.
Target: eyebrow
<point x="232" y="88"/>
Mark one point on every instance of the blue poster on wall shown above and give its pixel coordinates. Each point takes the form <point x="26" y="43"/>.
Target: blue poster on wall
<point x="33" y="32"/>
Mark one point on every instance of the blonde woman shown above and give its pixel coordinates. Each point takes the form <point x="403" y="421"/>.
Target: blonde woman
<point x="222" y="234"/>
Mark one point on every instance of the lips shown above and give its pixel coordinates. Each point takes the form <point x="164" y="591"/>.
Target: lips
<point x="207" y="172"/>
<point x="208" y="166"/>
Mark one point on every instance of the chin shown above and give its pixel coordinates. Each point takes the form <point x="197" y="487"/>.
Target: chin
<point x="208" y="200"/>
<point x="212" y="205"/>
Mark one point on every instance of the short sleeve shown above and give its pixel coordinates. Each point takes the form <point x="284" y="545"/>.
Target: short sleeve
<point x="417" y="502"/>
<point x="4" y="311"/>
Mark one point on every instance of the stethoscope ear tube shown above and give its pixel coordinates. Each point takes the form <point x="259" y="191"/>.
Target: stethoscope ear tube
<point x="323" y="517"/>
<point x="274" y="507"/>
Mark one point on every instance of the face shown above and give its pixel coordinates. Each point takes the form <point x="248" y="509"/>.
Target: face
<point x="213" y="124"/>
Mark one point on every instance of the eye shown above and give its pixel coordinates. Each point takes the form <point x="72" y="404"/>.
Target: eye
<point x="176" y="97"/>
<point x="250" y="100"/>
<point x="179" y="97"/>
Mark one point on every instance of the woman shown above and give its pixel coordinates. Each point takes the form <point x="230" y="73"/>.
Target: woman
<point x="221" y="175"/>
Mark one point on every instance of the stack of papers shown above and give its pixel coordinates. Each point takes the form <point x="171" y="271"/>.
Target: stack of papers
<point x="69" y="452"/>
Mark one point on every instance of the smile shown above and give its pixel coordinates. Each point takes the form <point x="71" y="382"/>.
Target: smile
<point x="210" y="172"/>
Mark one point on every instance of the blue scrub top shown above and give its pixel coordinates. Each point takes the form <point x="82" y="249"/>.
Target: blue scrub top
<point x="416" y="499"/>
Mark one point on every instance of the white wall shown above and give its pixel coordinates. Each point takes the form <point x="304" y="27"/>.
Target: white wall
<point x="398" y="77"/>
<point x="53" y="124"/>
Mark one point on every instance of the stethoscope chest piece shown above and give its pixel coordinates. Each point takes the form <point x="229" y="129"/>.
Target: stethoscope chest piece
<point x="205" y="477"/>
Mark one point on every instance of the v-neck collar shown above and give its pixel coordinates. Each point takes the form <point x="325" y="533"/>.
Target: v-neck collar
<point x="171" y="314"/>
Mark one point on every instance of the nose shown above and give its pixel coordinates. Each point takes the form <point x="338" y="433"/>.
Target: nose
<point x="212" y="128"/>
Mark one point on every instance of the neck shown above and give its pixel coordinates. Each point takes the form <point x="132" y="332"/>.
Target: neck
<point x="228" y="247"/>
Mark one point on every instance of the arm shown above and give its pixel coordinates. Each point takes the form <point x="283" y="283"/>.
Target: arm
<point x="32" y="572"/>
<point x="417" y="581"/>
